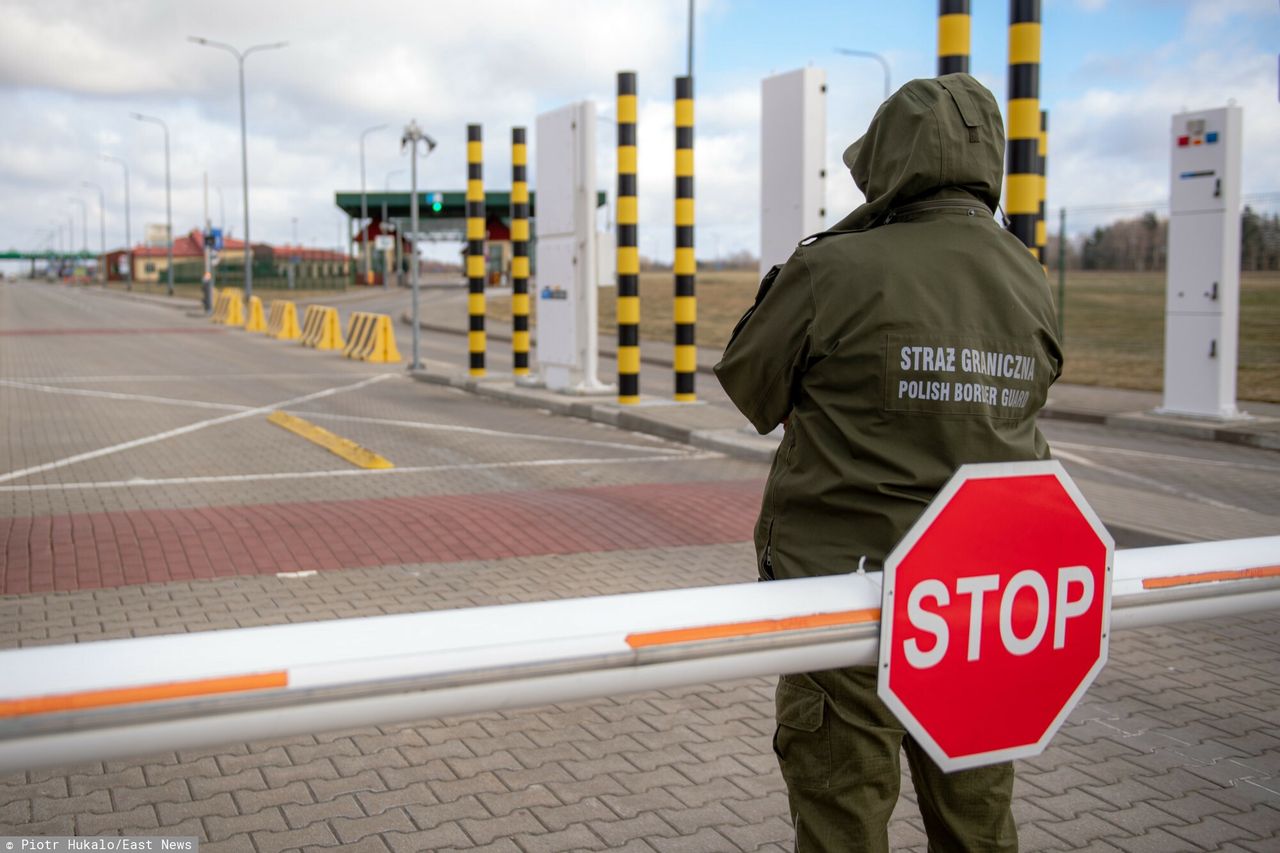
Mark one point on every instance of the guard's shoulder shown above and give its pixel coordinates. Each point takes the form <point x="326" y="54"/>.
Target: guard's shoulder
<point x="819" y="247"/>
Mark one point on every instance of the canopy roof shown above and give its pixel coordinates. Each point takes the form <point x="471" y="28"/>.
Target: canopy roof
<point x="453" y="204"/>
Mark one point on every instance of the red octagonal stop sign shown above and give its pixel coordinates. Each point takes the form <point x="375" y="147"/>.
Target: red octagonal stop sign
<point x="996" y="613"/>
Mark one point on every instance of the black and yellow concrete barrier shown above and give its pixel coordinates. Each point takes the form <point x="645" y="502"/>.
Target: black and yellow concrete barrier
<point x="686" y="266"/>
<point x="256" y="321"/>
<point x="1022" y="184"/>
<point x="282" y="324"/>
<point x="953" y="36"/>
<point x="321" y="328"/>
<point x="519" y="253"/>
<point x="371" y="337"/>
<point x="475" y="249"/>
<point x="228" y="307"/>
<point x="628" y="303"/>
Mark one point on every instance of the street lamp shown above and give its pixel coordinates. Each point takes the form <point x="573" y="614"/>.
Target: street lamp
<point x="244" y="145"/>
<point x="128" y="237"/>
<point x="168" y="194"/>
<point x="222" y="212"/>
<point x="412" y="136"/>
<point x="866" y="54"/>
<point x="386" y="190"/>
<point x="84" y="223"/>
<point x="102" y="226"/>
<point x="364" y="207"/>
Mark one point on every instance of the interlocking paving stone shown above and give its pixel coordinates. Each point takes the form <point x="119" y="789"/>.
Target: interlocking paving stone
<point x="618" y="832"/>
<point x="136" y="821"/>
<point x="173" y="791"/>
<point x="317" y="835"/>
<point x="219" y="828"/>
<point x="437" y="838"/>
<point x="705" y="840"/>
<point x="219" y="805"/>
<point x="350" y="829"/>
<point x="377" y="802"/>
<point x="576" y="837"/>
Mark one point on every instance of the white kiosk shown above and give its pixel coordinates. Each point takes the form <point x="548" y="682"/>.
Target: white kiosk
<point x="1202" y="309"/>
<point x="793" y="174"/>
<point x="565" y="251"/>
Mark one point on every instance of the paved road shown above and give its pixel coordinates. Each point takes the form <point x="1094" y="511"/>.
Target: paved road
<point x="1151" y="488"/>
<point x="142" y="491"/>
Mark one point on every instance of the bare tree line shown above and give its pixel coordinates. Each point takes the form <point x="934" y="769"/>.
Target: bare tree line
<point x="1141" y="244"/>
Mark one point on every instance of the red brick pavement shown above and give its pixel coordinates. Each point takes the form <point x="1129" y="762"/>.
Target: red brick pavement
<point x="105" y="549"/>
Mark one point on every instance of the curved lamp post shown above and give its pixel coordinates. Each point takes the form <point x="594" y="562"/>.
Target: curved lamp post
<point x="364" y="207"/>
<point x="241" y="56"/>
<point x="102" y="227"/>
<point x="867" y="54"/>
<point x="128" y="236"/>
<point x="168" y="194"/>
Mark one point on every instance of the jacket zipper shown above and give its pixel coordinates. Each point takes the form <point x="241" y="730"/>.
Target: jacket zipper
<point x="940" y="204"/>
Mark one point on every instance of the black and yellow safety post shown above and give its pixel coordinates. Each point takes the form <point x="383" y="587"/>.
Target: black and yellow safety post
<point x="475" y="249"/>
<point x="1022" y="193"/>
<point x="628" y="303"/>
<point x="953" y="36"/>
<point x="686" y="266"/>
<point x="519" y="253"/>
<point x="1042" y="161"/>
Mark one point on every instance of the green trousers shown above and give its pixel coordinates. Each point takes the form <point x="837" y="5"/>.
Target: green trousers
<point x="838" y="746"/>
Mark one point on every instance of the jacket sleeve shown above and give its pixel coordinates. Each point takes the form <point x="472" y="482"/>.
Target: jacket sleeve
<point x="770" y="345"/>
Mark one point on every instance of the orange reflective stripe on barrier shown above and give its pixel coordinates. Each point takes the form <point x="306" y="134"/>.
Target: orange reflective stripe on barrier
<point x="146" y="693"/>
<point x="747" y="629"/>
<point x="1211" y="577"/>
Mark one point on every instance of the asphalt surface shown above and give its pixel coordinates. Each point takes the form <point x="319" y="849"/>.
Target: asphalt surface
<point x="142" y="491"/>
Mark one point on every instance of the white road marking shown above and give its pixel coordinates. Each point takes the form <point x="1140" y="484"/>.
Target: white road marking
<point x="357" y="472"/>
<point x="116" y="395"/>
<point x="189" y="428"/>
<point x="1145" y="481"/>
<point x="180" y="377"/>
<point x="1163" y="457"/>
<point x="492" y="432"/>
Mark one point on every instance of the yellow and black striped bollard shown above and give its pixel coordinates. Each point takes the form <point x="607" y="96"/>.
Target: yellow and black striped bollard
<point x="519" y="253"/>
<point x="475" y="248"/>
<point x="1042" y="227"/>
<point x="686" y="267"/>
<point x="1022" y="193"/>
<point x="953" y="36"/>
<point x="628" y="305"/>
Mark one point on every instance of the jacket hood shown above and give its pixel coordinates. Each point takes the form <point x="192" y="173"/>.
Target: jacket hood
<point x="931" y="136"/>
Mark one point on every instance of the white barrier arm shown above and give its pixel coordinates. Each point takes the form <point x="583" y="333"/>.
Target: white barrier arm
<point x="118" y="698"/>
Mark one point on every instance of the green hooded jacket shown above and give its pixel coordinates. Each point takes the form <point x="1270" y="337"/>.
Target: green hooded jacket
<point x="913" y="337"/>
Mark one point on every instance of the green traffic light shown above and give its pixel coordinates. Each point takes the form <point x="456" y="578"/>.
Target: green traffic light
<point x="437" y="206"/>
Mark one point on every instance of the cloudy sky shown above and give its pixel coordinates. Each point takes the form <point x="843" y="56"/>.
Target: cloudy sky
<point x="71" y="72"/>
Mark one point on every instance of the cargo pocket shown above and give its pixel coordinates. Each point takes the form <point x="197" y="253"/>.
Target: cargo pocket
<point x="765" y="566"/>
<point x="802" y="742"/>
